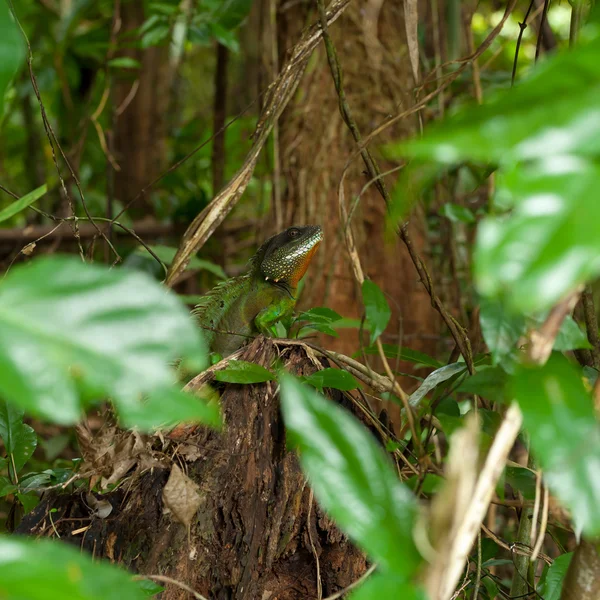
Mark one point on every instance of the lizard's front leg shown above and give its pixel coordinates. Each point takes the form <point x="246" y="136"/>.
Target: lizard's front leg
<point x="267" y="317"/>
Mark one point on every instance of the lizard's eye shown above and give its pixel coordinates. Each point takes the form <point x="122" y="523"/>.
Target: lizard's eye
<point x="294" y="233"/>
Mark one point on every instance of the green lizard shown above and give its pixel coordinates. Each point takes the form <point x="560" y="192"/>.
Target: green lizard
<point x="243" y="306"/>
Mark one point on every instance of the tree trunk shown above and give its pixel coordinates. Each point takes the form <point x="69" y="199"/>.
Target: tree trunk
<point x="256" y="533"/>
<point x="315" y="147"/>
<point x="142" y="104"/>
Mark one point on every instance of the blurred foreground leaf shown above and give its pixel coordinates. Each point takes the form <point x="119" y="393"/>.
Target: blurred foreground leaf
<point x="71" y="333"/>
<point x="352" y="478"/>
<point x="53" y="570"/>
<point x="559" y="415"/>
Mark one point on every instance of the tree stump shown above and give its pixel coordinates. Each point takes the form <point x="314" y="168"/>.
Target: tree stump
<point x="255" y="532"/>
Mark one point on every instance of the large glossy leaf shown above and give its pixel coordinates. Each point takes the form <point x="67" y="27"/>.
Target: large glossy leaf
<point x="53" y="570"/>
<point x="352" y="477"/>
<point x="555" y="111"/>
<point x="558" y="413"/>
<point x="68" y="327"/>
<point x="12" y="51"/>
<point x="18" y="205"/>
<point x="377" y="310"/>
<point x="550" y="242"/>
<point x="19" y="438"/>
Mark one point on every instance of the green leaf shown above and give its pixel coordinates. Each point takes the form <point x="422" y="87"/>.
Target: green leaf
<point x="231" y="13"/>
<point x="167" y="407"/>
<point x="550" y="243"/>
<point x="387" y="586"/>
<point x="28" y="501"/>
<point x="12" y="51"/>
<point x="500" y="328"/>
<point x="241" y="371"/>
<point x="19" y="439"/>
<point x="559" y="415"/>
<point x="488" y="382"/>
<point x="71" y="331"/>
<point x="570" y="336"/>
<point x="53" y="570"/>
<point x="521" y="480"/>
<point x="377" y="310"/>
<point x="434" y="379"/>
<point x="149" y="587"/>
<point x="352" y="477"/>
<point x="321" y="327"/>
<point x="124" y="62"/>
<point x="401" y="353"/>
<point x="552" y="112"/>
<point x="551" y="582"/>
<point x="457" y="213"/>
<point x="331" y="378"/>
<point x="23" y="202"/>
<point x="319" y="314"/>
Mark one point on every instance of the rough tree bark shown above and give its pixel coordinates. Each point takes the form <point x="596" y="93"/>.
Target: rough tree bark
<point x="142" y="104"/>
<point x="315" y="145"/>
<point x="253" y="532"/>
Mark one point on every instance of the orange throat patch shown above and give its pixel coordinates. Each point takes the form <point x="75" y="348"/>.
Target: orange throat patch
<point x="302" y="267"/>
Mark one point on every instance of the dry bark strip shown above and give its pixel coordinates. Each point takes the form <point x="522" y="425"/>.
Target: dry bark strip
<point x="249" y="538"/>
<point x="279" y="95"/>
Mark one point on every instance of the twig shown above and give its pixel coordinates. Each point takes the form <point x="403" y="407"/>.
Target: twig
<point x="314" y="550"/>
<point x="512" y="547"/>
<point x="544" y="523"/>
<point x="542" y="339"/>
<point x="522" y="27"/>
<point x="165" y="579"/>
<point x="538" y="45"/>
<point x="484" y="489"/>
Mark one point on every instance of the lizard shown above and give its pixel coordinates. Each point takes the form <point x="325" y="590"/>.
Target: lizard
<point x="241" y="307"/>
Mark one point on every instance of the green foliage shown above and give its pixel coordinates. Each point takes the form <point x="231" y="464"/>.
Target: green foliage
<point x="94" y="333"/>
<point x="457" y="213"/>
<point x="19" y="439"/>
<point x="377" y="310"/>
<point x="48" y="570"/>
<point x="12" y="51"/>
<point x="321" y="319"/>
<point x="434" y="379"/>
<point x="408" y="354"/>
<point x="385" y="585"/>
<point x="549" y="244"/>
<point x="18" y="205"/>
<point x="558" y="413"/>
<point x="352" y="478"/>
<point x="241" y="371"/>
<point x="551" y="581"/>
<point x="331" y="378"/>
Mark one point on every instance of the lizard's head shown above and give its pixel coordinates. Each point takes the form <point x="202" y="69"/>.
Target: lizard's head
<point x="285" y="257"/>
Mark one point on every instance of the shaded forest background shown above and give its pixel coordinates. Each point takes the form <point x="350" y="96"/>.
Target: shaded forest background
<point x="129" y="119"/>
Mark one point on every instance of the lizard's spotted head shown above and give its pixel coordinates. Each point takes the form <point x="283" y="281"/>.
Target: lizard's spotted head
<point x="285" y="257"/>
